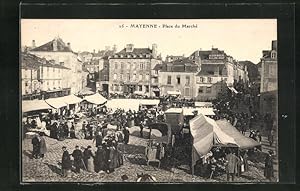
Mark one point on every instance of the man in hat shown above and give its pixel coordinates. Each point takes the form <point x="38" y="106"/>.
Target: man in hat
<point x="88" y="156"/>
<point x="78" y="158"/>
<point x="100" y="157"/>
<point x="269" y="171"/>
<point x="66" y="163"/>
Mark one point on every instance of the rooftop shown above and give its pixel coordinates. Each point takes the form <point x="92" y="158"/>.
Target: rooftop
<point x="180" y="65"/>
<point x="55" y="45"/>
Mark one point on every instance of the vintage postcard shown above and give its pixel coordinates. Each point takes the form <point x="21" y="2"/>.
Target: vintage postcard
<point x="149" y="100"/>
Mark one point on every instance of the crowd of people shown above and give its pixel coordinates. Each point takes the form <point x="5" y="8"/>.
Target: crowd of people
<point x="107" y="157"/>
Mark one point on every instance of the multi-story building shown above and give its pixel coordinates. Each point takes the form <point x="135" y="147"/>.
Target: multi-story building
<point x="216" y="69"/>
<point x="62" y="54"/>
<point x="220" y="59"/>
<point x="179" y="76"/>
<point x="269" y="80"/>
<point x="132" y="70"/>
<point x="210" y="81"/>
<point x="103" y="83"/>
<point x="41" y="78"/>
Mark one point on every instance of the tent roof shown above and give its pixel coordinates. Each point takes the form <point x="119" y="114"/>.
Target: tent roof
<point x="71" y="99"/>
<point x="149" y="102"/>
<point x="126" y="104"/>
<point x="174" y="110"/>
<point x="56" y="102"/>
<point x="203" y="104"/>
<point x="207" y="132"/>
<point x="95" y="99"/>
<point x="242" y="141"/>
<point x="33" y="105"/>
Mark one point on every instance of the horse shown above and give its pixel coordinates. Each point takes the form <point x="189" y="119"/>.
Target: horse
<point x="145" y="178"/>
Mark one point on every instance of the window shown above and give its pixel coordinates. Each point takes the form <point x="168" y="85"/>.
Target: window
<point x="121" y="77"/>
<point x="201" y="89"/>
<point x="140" y="88"/>
<point x="105" y="77"/>
<point x="140" y="77"/>
<point x="116" y="65"/>
<point x="128" y="77"/>
<point x="147" y="77"/>
<point x="128" y="66"/>
<point x="115" y="76"/>
<point x="187" y="91"/>
<point x="147" y="89"/>
<point x="201" y="79"/>
<point x="209" y="79"/>
<point x="133" y="66"/>
<point x="122" y="66"/>
<point x="169" y="80"/>
<point x="134" y="77"/>
<point x="208" y="90"/>
<point x="178" y="79"/>
<point x="187" y="80"/>
<point x="273" y="55"/>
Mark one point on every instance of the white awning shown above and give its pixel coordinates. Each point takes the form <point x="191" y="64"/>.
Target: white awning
<point x="203" y="104"/>
<point x="71" y="99"/>
<point x="174" y="92"/>
<point x="56" y="102"/>
<point x="96" y="99"/>
<point x="34" y="105"/>
<point x="149" y="102"/>
<point x="174" y="110"/>
<point x="126" y="104"/>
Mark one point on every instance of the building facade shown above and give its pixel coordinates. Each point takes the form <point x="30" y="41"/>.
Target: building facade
<point x="132" y="70"/>
<point x="179" y="76"/>
<point x="62" y="54"/>
<point x="41" y="78"/>
<point x="269" y="80"/>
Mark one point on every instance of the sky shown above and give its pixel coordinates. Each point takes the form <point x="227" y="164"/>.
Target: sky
<point x="243" y="39"/>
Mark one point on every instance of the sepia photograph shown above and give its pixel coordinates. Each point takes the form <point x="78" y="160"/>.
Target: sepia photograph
<point x="148" y="100"/>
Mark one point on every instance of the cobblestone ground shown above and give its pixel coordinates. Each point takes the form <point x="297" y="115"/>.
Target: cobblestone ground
<point x="48" y="169"/>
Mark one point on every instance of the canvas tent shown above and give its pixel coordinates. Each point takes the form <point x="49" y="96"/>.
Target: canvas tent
<point x="96" y="99"/>
<point x="71" y="99"/>
<point x="56" y="102"/>
<point x="34" y="105"/>
<point x="126" y="104"/>
<point x="207" y="132"/>
<point x="149" y="102"/>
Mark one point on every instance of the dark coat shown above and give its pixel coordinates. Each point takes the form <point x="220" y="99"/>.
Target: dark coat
<point x="98" y="140"/>
<point x="126" y="136"/>
<point x="100" y="158"/>
<point x="269" y="171"/>
<point x="78" y="156"/>
<point x="66" y="161"/>
<point x="36" y="145"/>
<point x="43" y="146"/>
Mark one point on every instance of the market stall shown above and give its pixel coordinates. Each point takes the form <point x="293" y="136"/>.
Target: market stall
<point x="207" y="133"/>
<point x="72" y="101"/>
<point x="34" y="105"/>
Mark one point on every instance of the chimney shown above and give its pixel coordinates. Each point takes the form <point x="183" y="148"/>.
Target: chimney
<point x="69" y="45"/>
<point x="274" y="45"/>
<point x="33" y="44"/>
<point x="55" y="45"/>
<point x="154" y="50"/>
<point x="129" y="47"/>
<point x="94" y="51"/>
